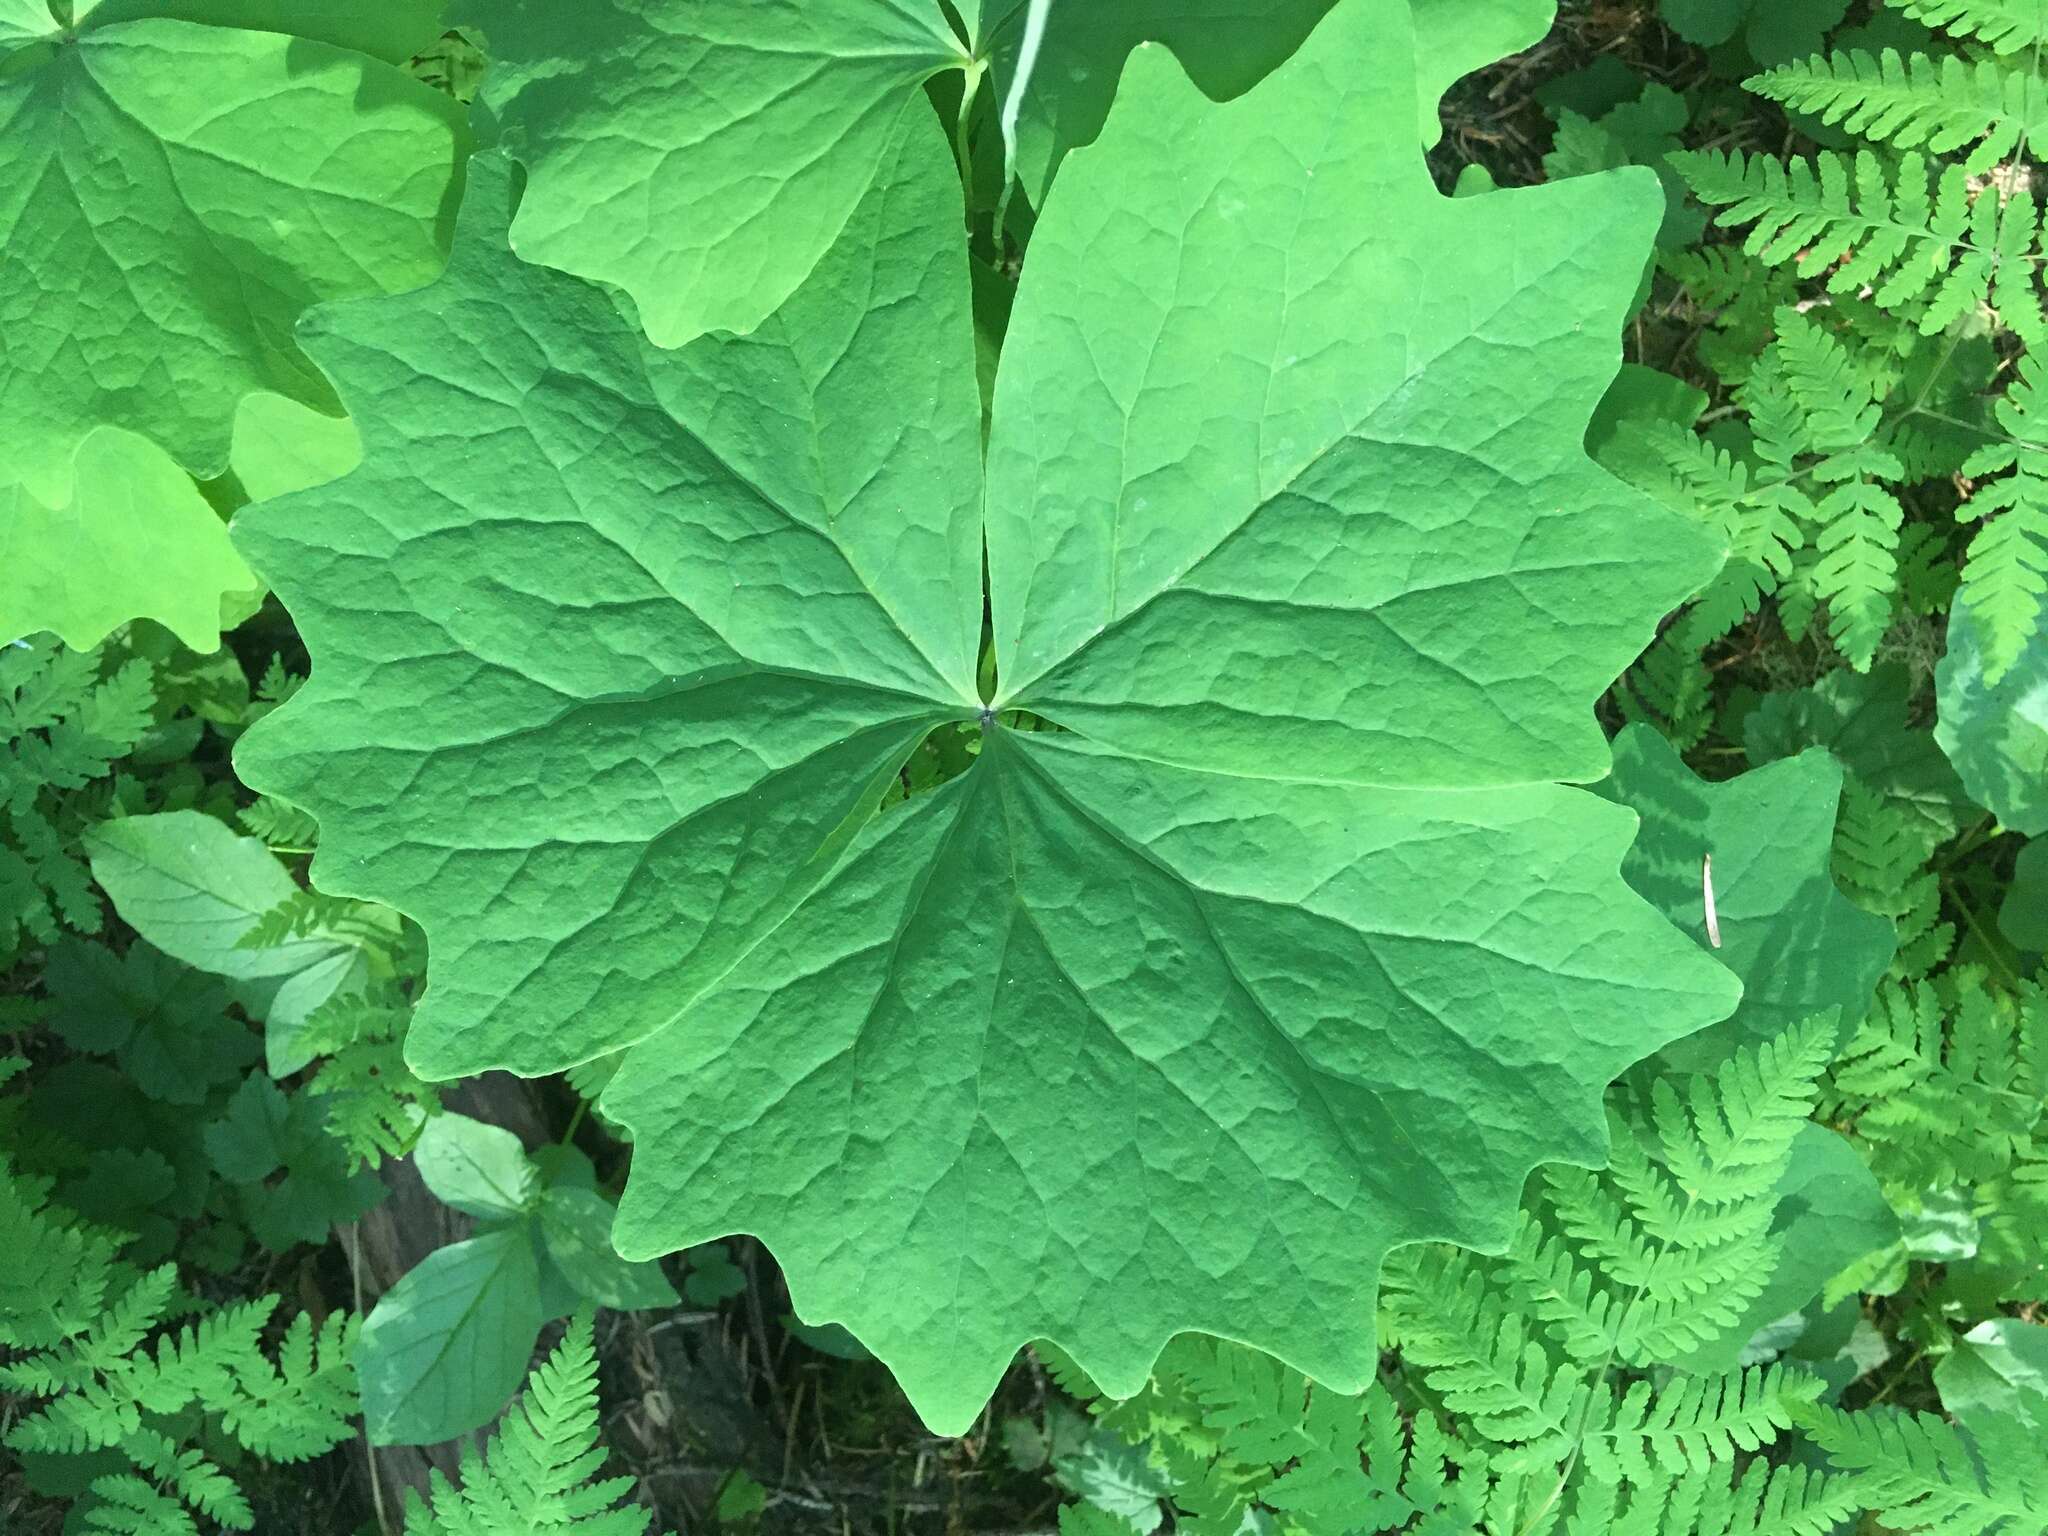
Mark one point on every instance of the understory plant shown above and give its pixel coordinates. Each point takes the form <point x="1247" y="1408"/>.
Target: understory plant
<point x="1172" y="756"/>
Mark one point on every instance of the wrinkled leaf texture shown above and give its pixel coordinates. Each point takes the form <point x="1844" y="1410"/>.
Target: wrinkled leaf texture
<point x="669" y="153"/>
<point x="1286" y="949"/>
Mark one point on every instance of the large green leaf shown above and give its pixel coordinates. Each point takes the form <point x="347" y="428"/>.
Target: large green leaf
<point x="176" y="186"/>
<point x="704" y="158"/>
<point x="1997" y="734"/>
<point x="1800" y="946"/>
<point x="1286" y="948"/>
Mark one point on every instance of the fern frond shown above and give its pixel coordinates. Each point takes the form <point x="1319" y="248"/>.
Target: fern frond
<point x="1762" y="1501"/>
<point x="133" y="1506"/>
<point x="1087" y="1520"/>
<point x="54" y="1271"/>
<point x="376" y="1105"/>
<point x="1914" y="236"/>
<point x="1693" y="1423"/>
<point x="1935" y="1083"/>
<point x="1940" y="105"/>
<point x="2006" y="25"/>
<point x="301" y="1406"/>
<point x="535" y="1474"/>
<point x="2005" y="577"/>
<point x="193" y="1479"/>
<point x="1476" y="1351"/>
<point x="1920" y="1473"/>
<point x="1727" y="1138"/>
<point x="278" y="823"/>
<point x="1858" y="521"/>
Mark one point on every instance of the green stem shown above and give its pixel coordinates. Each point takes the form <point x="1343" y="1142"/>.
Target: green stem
<point x="575" y="1121"/>
<point x="1984" y="937"/>
<point x="963" y="140"/>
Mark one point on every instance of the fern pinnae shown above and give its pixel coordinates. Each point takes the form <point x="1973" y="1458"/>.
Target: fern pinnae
<point x="536" y="1473"/>
<point x="2005" y="575"/>
<point x="1915" y="102"/>
<point x="2006" y="26"/>
<point x="1919" y="1472"/>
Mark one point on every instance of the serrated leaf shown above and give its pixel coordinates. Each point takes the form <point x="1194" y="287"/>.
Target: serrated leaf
<point x="446" y="1347"/>
<point x="293" y="1180"/>
<point x="180" y="182"/>
<point x="1175" y="1018"/>
<point x="1997" y="734"/>
<point x="1799" y="945"/>
<point x="165" y="1024"/>
<point x="1772" y="31"/>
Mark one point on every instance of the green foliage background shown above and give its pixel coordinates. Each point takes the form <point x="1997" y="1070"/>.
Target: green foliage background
<point x="692" y="579"/>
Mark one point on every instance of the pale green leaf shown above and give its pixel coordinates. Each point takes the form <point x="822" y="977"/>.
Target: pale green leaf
<point x="195" y="889"/>
<point x="79" y="562"/>
<point x="446" y="1347"/>
<point x="173" y="193"/>
<point x="23" y="22"/>
<point x="281" y="446"/>
<point x="479" y="1169"/>
<point x="1998" y="1370"/>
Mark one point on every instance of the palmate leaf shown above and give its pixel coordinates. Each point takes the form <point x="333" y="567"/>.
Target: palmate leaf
<point x="1287" y="948"/>
<point x="669" y="154"/>
<point x="177" y="183"/>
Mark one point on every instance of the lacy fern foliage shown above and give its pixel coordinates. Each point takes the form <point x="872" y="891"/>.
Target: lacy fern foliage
<point x="539" y="1472"/>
